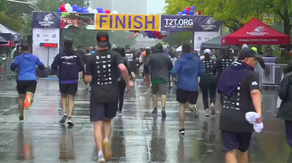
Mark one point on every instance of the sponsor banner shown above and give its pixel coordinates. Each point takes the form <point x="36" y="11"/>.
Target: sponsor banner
<point x="177" y="23"/>
<point x="200" y="37"/>
<point x="46" y="20"/>
<point x="77" y="20"/>
<point x="127" y="22"/>
<point x="206" y="23"/>
<point x="43" y="36"/>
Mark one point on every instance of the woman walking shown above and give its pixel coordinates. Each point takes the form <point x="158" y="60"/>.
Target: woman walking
<point x="285" y="110"/>
<point x="122" y="83"/>
<point x="208" y="83"/>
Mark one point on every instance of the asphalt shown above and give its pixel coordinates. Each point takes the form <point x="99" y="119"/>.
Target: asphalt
<point x="137" y="137"/>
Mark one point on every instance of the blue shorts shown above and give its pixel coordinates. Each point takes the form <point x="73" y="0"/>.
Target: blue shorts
<point x="101" y="111"/>
<point x="146" y="70"/>
<point x="235" y="140"/>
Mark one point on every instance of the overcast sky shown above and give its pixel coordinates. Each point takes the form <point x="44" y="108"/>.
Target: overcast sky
<point x="155" y="6"/>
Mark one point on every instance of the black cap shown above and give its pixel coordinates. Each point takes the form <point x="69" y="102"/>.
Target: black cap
<point x="248" y="53"/>
<point x="102" y="39"/>
<point x="127" y="47"/>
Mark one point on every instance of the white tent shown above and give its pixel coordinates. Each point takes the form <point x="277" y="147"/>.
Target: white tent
<point x="4" y="29"/>
<point x="179" y="49"/>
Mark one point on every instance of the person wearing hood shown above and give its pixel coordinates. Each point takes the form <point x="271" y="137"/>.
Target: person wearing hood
<point x="69" y="64"/>
<point x="239" y="86"/>
<point x="188" y="68"/>
<point x="161" y="66"/>
<point x="208" y="83"/>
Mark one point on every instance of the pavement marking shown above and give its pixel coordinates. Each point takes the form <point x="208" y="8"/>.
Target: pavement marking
<point x="12" y="107"/>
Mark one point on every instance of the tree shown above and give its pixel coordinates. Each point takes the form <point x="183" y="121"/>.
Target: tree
<point x="10" y="20"/>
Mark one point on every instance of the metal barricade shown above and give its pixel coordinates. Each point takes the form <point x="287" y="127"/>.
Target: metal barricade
<point x="272" y="74"/>
<point x="5" y="72"/>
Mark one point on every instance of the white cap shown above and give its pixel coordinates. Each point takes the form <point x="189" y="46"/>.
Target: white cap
<point x="244" y="46"/>
<point x="207" y="51"/>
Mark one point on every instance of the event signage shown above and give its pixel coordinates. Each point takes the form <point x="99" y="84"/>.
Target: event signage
<point x="206" y="23"/>
<point x="177" y="23"/>
<point x="77" y="20"/>
<point x="49" y="45"/>
<point x="127" y="22"/>
<point x="46" y="20"/>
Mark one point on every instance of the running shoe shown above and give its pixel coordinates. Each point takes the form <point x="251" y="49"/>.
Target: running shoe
<point x="182" y="132"/>
<point x="163" y="113"/>
<point x="28" y="100"/>
<point x="196" y="111"/>
<point x="70" y="122"/>
<point x="154" y="111"/>
<point x="21" y="119"/>
<point x="213" y="112"/>
<point x="64" y="118"/>
<point x="107" y="150"/>
<point x="120" y="113"/>
<point x="207" y="112"/>
<point x="101" y="159"/>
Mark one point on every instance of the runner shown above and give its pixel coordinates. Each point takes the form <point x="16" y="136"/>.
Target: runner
<point x="146" y="69"/>
<point x="102" y="68"/>
<point x="161" y="66"/>
<point x="69" y="65"/>
<point x="27" y="79"/>
<point x="188" y="68"/>
<point x="239" y="86"/>
<point x="208" y="84"/>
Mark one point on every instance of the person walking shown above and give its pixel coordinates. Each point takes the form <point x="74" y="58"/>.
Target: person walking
<point x="188" y="68"/>
<point x="104" y="68"/>
<point x="161" y="66"/>
<point x="208" y="83"/>
<point x="69" y="64"/>
<point x="285" y="109"/>
<point x="239" y="86"/>
<point x="27" y="80"/>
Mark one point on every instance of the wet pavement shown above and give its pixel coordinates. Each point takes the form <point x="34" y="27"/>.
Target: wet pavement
<point x="137" y="137"/>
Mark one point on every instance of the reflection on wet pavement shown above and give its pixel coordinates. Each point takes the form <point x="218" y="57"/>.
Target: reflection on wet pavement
<point x="137" y="137"/>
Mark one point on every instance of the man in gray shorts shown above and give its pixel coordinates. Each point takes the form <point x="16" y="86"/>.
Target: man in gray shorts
<point x="161" y="66"/>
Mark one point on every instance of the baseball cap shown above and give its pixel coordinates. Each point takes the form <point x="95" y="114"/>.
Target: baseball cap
<point x="255" y="49"/>
<point x="207" y="51"/>
<point x="102" y="39"/>
<point x="248" y="53"/>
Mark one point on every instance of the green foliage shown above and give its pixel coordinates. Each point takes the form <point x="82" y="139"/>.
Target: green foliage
<point x="53" y="5"/>
<point x="178" y="38"/>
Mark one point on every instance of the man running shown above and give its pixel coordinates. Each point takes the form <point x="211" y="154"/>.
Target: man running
<point x="27" y="79"/>
<point x="161" y="66"/>
<point x="188" y="68"/>
<point x="102" y="68"/>
<point x="69" y="64"/>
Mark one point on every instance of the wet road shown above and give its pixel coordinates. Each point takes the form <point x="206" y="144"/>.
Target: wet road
<point x="138" y="136"/>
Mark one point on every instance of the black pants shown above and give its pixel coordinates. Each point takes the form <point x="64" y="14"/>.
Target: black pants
<point x="208" y="89"/>
<point x="122" y="87"/>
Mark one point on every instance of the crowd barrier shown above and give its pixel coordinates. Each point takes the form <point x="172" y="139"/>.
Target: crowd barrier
<point x="272" y="74"/>
<point x="5" y="72"/>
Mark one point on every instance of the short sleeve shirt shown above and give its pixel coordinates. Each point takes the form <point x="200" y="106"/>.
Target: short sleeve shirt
<point x="232" y="117"/>
<point x="103" y="66"/>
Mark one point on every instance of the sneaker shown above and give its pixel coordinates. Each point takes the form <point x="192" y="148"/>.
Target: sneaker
<point x="120" y="113"/>
<point x="196" y="111"/>
<point x="70" y="122"/>
<point x="207" y="113"/>
<point x="21" y="119"/>
<point x="163" y="113"/>
<point x="27" y="101"/>
<point x="182" y="132"/>
<point x="107" y="150"/>
<point x="101" y="159"/>
<point x="213" y="112"/>
<point x="154" y="111"/>
<point x="64" y="118"/>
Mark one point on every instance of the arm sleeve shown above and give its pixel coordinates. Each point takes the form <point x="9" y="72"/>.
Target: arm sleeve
<point x="56" y="62"/>
<point x="14" y="64"/>
<point x="176" y="67"/>
<point x="253" y="81"/>
<point x="40" y="64"/>
<point x="283" y="88"/>
<point x="118" y="59"/>
<point x="80" y="63"/>
<point x="89" y="66"/>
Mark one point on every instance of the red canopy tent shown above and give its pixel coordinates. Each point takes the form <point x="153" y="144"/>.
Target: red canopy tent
<point x="257" y="33"/>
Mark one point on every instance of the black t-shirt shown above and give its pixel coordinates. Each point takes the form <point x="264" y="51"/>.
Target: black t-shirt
<point x="232" y="117"/>
<point x="103" y="66"/>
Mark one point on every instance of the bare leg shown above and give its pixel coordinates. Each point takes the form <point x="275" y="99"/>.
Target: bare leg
<point x="98" y="134"/>
<point x="21" y="104"/>
<point x="106" y="145"/>
<point x="182" y="108"/>
<point x="71" y="105"/>
<point x="155" y="99"/>
<point x="163" y="101"/>
<point x="242" y="157"/>
<point x="230" y="157"/>
<point x="64" y="102"/>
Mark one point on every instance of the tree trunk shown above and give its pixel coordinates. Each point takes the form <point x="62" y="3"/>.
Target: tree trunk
<point x="287" y="26"/>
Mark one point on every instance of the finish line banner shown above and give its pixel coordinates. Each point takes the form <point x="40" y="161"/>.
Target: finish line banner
<point x="131" y="22"/>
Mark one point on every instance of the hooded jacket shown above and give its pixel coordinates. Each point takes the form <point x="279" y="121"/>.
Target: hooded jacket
<point x="188" y="68"/>
<point x="69" y="64"/>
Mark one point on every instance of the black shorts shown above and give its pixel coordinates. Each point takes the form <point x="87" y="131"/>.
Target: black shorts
<point x="235" y="140"/>
<point x="183" y="96"/>
<point x="70" y="89"/>
<point x="146" y="70"/>
<point x="101" y="111"/>
<point x="24" y="86"/>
